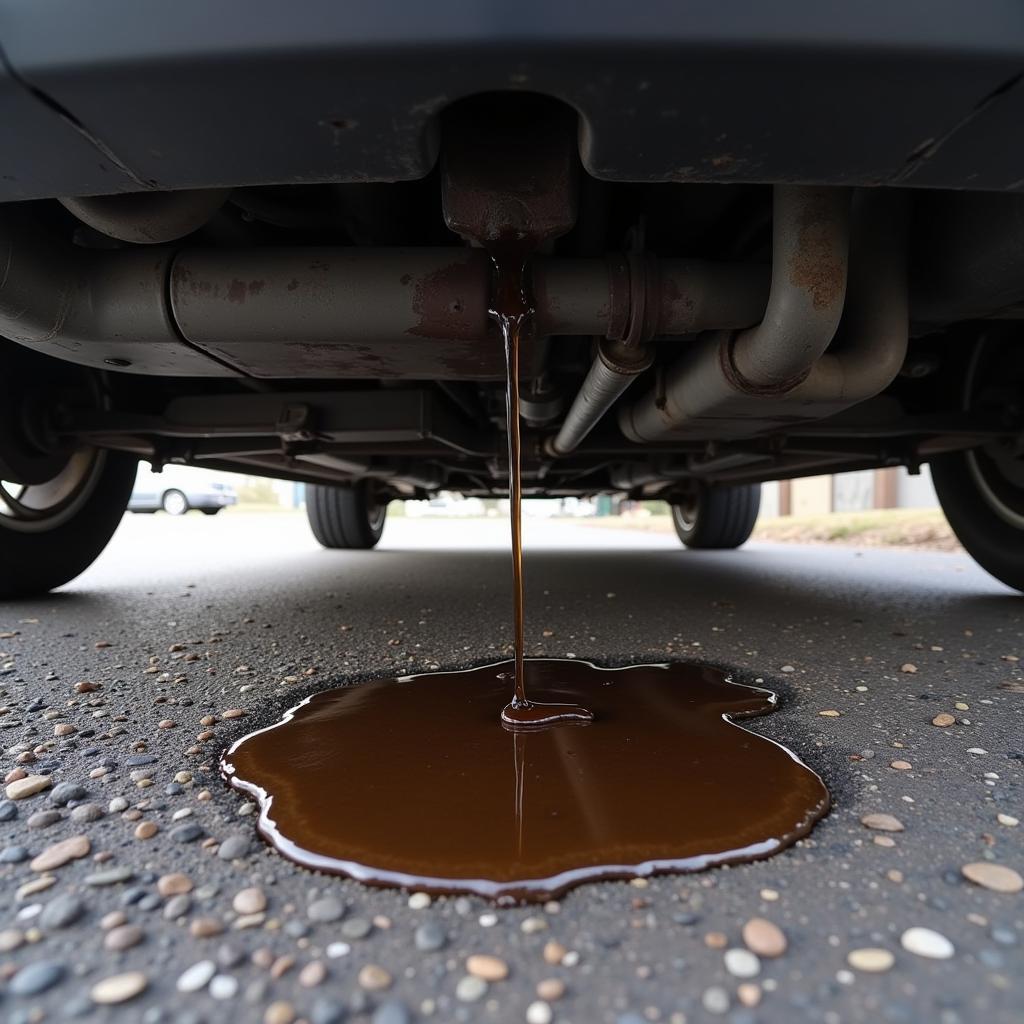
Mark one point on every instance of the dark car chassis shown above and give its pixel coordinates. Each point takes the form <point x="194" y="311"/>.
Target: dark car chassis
<point x="688" y="340"/>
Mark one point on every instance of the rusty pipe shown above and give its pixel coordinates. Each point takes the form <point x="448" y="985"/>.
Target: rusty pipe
<point x="701" y="395"/>
<point x="810" y="257"/>
<point x="148" y="218"/>
<point x="155" y="310"/>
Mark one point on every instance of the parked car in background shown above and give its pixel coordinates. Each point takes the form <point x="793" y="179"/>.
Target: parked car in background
<point x="177" y="489"/>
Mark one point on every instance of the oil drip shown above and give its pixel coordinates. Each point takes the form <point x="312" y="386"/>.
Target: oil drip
<point x="372" y="782"/>
<point x="514" y="314"/>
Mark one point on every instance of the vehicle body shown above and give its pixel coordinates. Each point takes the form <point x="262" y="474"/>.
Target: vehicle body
<point x="768" y="241"/>
<point x="177" y="489"/>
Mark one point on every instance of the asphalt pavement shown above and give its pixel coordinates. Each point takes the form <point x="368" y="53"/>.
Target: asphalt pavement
<point x="136" y="862"/>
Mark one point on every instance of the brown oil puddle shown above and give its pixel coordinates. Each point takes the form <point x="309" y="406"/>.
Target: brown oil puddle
<point x="411" y="782"/>
<point x="439" y="782"/>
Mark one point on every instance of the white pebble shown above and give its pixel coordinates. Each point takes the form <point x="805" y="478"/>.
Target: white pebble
<point x="927" y="943"/>
<point x="715" y="1000"/>
<point x="488" y="920"/>
<point x="338" y="949"/>
<point x="197" y="976"/>
<point x="538" y="1012"/>
<point x="419" y="901"/>
<point x="224" y="986"/>
<point x="741" y="963"/>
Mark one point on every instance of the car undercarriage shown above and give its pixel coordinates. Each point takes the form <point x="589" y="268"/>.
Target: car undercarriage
<point x="764" y="309"/>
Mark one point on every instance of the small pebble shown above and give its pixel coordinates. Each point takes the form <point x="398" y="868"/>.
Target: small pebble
<point x="249" y="901"/>
<point x="61" y="911"/>
<point x="944" y="720"/>
<point x="882" y="822"/>
<point x="429" y="937"/>
<point x="374" y="978"/>
<point x="44" y="819"/>
<point x="996" y="877"/>
<point x="870" y="959"/>
<point x="749" y="993"/>
<point x="554" y="952"/>
<point x="119" y="988"/>
<point x="538" y="1012"/>
<point x="21" y="789"/>
<point x="927" y="943"/>
<point x="312" y="974"/>
<point x="174" y="884"/>
<point x="177" y="906"/>
<point x="764" y="938"/>
<point x="233" y="848"/>
<point x="279" y="1012"/>
<point x="112" y="876"/>
<point x="224" y="986"/>
<point x="356" y="928"/>
<point x="62" y="853"/>
<point x="197" y="976"/>
<point x="551" y="989"/>
<point x="741" y="963"/>
<point x="205" y="927"/>
<point x="187" y="833"/>
<point x="490" y="968"/>
<point x="87" y="812"/>
<point x="326" y="910"/>
<point x="470" y="989"/>
<point x="35" y="978"/>
<point x="715" y="1000"/>
<point x="146" y="830"/>
<point x="63" y="793"/>
<point x="123" y="937"/>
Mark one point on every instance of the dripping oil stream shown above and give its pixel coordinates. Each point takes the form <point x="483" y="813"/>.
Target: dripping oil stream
<point x="514" y="313"/>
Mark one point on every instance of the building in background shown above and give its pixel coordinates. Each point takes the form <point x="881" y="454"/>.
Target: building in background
<point x="848" y="492"/>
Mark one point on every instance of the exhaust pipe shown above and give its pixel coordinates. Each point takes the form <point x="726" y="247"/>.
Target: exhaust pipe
<point x="738" y="385"/>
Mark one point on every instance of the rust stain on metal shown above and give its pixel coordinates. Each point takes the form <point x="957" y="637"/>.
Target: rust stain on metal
<point x="450" y="302"/>
<point x="182" y="280"/>
<point x="239" y="291"/>
<point x="677" y="306"/>
<point x="813" y="267"/>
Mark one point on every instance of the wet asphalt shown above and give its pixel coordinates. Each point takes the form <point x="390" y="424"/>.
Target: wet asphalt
<point x="182" y="619"/>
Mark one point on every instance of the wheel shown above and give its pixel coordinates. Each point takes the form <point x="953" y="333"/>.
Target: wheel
<point x="345" y="517"/>
<point x="175" y="503"/>
<point x="982" y="491"/>
<point x="717" y="517"/>
<point x="209" y="511"/>
<point x="53" y="530"/>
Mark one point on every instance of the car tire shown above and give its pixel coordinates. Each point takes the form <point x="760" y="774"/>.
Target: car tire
<point x="345" y="517"/>
<point x="986" y="515"/>
<point x="174" y="503"/>
<point x="50" y="547"/>
<point x="981" y="491"/>
<point x="717" y="517"/>
<point x="209" y="511"/>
